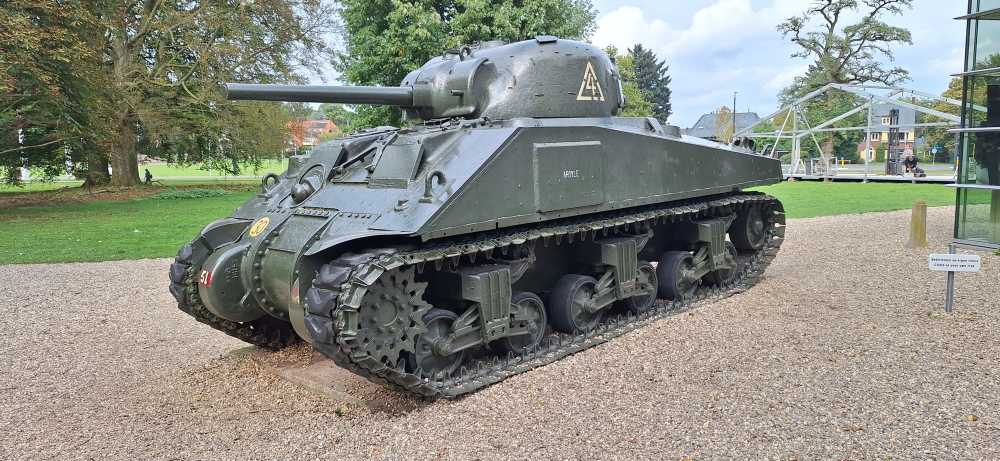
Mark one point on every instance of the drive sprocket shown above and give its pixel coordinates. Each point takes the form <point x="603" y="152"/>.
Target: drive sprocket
<point x="390" y="316"/>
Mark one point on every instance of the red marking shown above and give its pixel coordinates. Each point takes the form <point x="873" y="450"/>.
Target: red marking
<point x="206" y="278"/>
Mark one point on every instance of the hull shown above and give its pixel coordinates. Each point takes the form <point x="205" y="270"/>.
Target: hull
<point x="360" y="219"/>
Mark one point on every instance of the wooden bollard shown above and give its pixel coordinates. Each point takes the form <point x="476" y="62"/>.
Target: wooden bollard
<point x="918" y="225"/>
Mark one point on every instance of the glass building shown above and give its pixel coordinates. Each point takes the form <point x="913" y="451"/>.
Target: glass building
<point x="977" y="214"/>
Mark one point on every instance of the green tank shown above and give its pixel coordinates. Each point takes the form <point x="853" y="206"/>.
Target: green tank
<point x="519" y="222"/>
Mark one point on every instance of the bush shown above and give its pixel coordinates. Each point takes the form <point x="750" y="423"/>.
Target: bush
<point x="175" y="193"/>
<point x="787" y="158"/>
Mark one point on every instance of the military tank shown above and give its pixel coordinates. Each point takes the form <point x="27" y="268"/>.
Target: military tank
<point x="516" y="221"/>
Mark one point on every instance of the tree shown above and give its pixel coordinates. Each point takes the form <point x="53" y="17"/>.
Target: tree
<point x="635" y="104"/>
<point x="724" y="124"/>
<point x="140" y="76"/>
<point x="337" y="114"/>
<point x="166" y="58"/>
<point x="52" y="86"/>
<point x="386" y="39"/>
<point x="650" y="76"/>
<point x="849" y="54"/>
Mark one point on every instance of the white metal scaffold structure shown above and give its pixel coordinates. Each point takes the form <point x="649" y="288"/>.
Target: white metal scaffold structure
<point x="871" y="94"/>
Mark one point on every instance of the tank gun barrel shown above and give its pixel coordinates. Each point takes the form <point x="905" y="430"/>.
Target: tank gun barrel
<point x="374" y="95"/>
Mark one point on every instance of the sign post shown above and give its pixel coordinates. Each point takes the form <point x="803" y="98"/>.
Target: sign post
<point x="952" y="263"/>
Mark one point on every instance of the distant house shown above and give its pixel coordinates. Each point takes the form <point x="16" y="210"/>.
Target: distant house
<point x="880" y="129"/>
<point x="705" y="127"/>
<point x="306" y="133"/>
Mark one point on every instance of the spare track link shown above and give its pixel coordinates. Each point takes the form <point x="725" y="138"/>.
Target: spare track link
<point x="265" y="332"/>
<point x="338" y="289"/>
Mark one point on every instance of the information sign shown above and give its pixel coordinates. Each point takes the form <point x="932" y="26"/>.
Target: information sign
<point x="953" y="263"/>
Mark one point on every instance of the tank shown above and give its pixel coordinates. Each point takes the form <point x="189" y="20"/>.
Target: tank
<point x="517" y="220"/>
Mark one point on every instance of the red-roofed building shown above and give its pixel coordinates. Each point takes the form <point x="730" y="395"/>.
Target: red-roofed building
<point x="306" y="133"/>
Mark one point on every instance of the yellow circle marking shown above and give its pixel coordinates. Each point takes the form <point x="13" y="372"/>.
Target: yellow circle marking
<point x="259" y="226"/>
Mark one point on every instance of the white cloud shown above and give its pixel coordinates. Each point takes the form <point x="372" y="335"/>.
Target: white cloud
<point x="732" y="45"/>
<point x="727" y="46"/>
<point x="627" y="26"/>
<point x="783" y="79"/>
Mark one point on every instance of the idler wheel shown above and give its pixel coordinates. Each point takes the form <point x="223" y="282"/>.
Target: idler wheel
<point x="647" y="282"/>
<point x="723" y="277"/>
<point x="572" y="304"/>
<point x="431" y="353"/>
<point x="675" y="272"/>
<point x="527" y="313"/>
<point x="748" y="231"/>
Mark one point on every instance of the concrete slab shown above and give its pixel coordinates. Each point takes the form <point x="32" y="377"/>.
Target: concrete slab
<point x="323" y="377"/>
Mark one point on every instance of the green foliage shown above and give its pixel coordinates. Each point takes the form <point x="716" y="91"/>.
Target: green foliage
<point x="338" y="114"/>
<point x="374" y="116"/>
<point x="768" y="126"/>
<point x="52" y="87"/>
<point x="140" y="76"/>
<point x="650" y="76"/>
<point x="724" y="124"/>
<point x="330" y="135"/>
<point x="386" y="39"/>
<point x="943" y="155"/>
<point x="880" y="153"/>
<point x="636" y="104"/>
<point x="174" y="193"/>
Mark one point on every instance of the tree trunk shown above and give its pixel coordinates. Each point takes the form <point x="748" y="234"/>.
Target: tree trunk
<point x="97" y="171"/>
<point x="123" y="155"/>
<point x="827" y="146"/>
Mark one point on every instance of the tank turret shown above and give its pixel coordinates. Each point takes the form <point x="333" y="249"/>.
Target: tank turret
<point x="542" y="78"/>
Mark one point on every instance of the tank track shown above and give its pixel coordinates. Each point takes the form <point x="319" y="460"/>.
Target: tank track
<point x="335" y="297"/>
<point x="264" y="332"/>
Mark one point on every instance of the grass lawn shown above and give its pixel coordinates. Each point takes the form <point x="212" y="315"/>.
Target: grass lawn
<point x="167" y="174"/>
<point x="156" y="228"/>
<point x="103" y="231"/>
<point x="807" y="199"/>
<point x="165" y="171"/>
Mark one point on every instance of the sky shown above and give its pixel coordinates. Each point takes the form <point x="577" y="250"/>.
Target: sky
<point x="716" y="47"/>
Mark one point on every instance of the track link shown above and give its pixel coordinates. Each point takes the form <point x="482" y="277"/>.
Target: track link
<point x="336" y="294"/>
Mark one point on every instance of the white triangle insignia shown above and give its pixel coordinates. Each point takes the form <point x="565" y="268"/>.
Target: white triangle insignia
<point x="590" y="88"/>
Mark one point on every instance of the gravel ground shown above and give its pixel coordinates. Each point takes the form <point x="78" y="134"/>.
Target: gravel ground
<point x="841" y="352"/>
